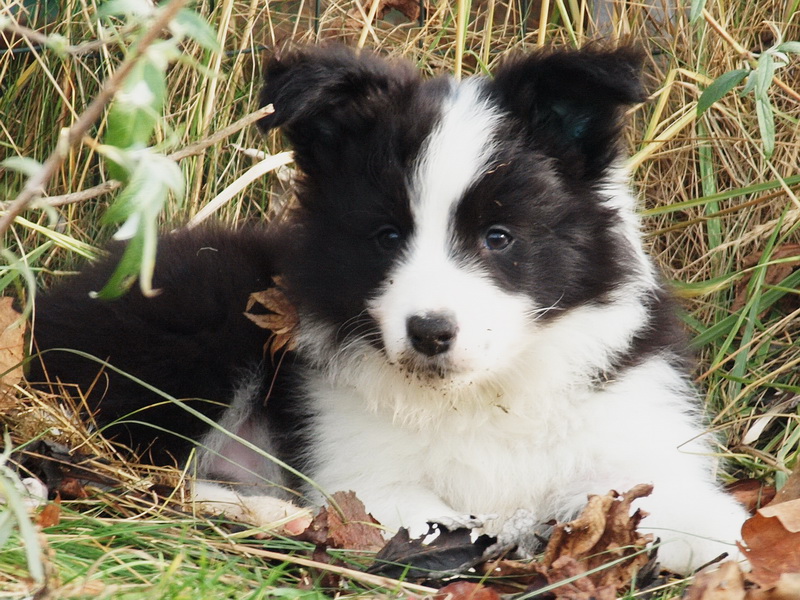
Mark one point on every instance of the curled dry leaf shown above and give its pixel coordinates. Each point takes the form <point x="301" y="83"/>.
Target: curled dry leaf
<point x="448" y="553"/>
<point x="723" y="583"/>
<point x="751" y="493"/>
<point x="281" y="320"/>
<point x="466" y="590"/>
<point x="772" y="542"/>
<point x="605" y="531"/>
<point x="351" y="526"/>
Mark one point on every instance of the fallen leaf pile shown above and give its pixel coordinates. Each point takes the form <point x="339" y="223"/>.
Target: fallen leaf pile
<point x="596" y="556"/>
<point x="604" y="533"/>
<point x="603" y="539"/>
<point x="600" y="552"/>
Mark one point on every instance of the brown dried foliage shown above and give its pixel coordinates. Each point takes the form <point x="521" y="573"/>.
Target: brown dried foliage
<point x="281" y="320"/>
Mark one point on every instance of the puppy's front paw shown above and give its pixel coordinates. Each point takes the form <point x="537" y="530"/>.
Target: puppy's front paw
<point x="522" y="531"/>
<point x="266" y="512"/>
<point x="453" y="522"/>
<point x="430" y="528"/>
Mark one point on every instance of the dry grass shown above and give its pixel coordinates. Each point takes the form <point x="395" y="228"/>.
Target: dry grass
<point x="721" y="217"/>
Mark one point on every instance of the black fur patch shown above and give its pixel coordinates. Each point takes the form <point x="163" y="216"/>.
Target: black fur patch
<point x="191" y="341"/>
<point x="569" y="104"/>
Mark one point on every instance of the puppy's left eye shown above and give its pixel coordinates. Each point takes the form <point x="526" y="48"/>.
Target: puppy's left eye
<point x="498" y="238"/>
<point x="388" y="238"/>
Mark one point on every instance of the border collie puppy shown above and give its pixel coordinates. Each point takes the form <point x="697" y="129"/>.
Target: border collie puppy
<point x="480" y="330"/>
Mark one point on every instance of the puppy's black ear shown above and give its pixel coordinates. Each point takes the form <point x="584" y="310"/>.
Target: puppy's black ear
<point x="326" y="96"/>
<point x="571" y="103"/>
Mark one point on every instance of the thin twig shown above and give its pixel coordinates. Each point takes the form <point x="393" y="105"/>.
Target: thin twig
<point x="220" y="135"/>
<point x="106" y="187"/>
<point x="369" y="578"/>
<point x="36" y="184"/>
<point x="36" y="38"/>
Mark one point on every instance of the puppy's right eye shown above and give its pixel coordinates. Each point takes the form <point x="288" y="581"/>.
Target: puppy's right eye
<point x="388" y="238"/>
<point x="498" y="238"/>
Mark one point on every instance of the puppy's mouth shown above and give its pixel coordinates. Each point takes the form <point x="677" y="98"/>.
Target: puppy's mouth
<point x="425" y="368"/>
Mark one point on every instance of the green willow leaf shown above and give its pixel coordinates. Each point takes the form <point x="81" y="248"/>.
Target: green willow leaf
<point x="790" y="47"/>
<point x="193" y="25"/>
<point x="719" y="87"/>
<point x="766" y="125"/>
<point x="696" y="10"/>
<point x="136" y="111"/>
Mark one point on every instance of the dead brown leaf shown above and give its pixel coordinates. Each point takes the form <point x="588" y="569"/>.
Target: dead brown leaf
<point x="787" y="588"/>
<point x="449" y="552"/>
<point x="514" y="576"/>
<point x="12" y="336"/>
<point x="729" y="582"/>
<point x="348" y="527"/>
<point x="582" y="588"/>
<point x="723" y="583"/>
<point x="50" y="515"/>
<point x="772" y="542"/>
<point x="466" y="590"/>
<point x="751" y="493"/>
<point x="604" y="531"/>
<point x="775" y="272"/>
<point x="790" y="489"/>
<point x="281" y="320"/>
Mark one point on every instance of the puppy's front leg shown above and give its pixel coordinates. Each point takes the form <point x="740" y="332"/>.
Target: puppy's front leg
<point x="268" y="512"/>
<point x="413" y="507"/>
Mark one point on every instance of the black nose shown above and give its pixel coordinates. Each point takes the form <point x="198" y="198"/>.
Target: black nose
<point x="431" y="334"/>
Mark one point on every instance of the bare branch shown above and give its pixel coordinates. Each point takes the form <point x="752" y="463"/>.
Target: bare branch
<point x="36" y="38"/>
<point x="220" y="135"/>
<point x="113" y="185"/>
<point x="36" y="185"/>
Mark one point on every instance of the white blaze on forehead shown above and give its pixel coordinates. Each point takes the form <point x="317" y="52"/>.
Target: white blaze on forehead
<point x="457" y="152"/>
<point x="489" y="321"/>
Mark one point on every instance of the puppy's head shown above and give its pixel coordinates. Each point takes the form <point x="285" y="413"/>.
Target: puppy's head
<point x="442" y="224"/>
